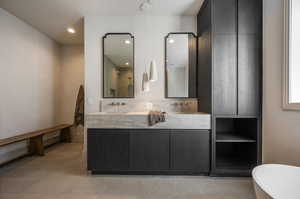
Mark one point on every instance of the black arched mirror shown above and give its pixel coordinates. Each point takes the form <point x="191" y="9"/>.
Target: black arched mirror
<point x="180" y="65"/>
<point x="118" y="65"/>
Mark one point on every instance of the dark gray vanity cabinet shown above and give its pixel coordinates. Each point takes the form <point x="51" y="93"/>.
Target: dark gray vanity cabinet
<point x="149" y="150"/>
<point x="230" y="82"/>
<point x="231" y="55"/>
<point x="108" y="150"/>
<point x="190" y="150"/>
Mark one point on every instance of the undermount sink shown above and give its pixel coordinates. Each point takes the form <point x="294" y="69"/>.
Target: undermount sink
<point x="139" y="120"/>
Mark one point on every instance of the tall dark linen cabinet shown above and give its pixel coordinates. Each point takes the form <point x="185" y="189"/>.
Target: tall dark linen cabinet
<point x="230" y="82"/>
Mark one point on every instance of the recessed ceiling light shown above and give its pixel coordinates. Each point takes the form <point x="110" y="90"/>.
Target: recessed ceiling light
<point x="127" y="41"/>
<point x="127" y="63"/>
<point x="71" y="30"/>
<point x="171" y="41"/>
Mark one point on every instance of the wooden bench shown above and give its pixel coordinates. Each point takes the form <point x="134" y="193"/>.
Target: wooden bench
<point x="36" y="145"/>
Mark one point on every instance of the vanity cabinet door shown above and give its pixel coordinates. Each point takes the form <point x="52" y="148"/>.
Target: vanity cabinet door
<point x="108" y="150"/>
<point x="249" y="75"/>
<point x="149" y="150"/>
<point x="224" y="57"/>
<point x="224" y="16"/>
<point x="225" y="74"/>
<point x="250" y="57"/>
<point x="190" y="150"/>
<point x="250" y="17"/>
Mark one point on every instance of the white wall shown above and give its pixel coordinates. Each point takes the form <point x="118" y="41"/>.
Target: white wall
<point x="71" y="77"/>
<point x="149" y="33"/>
<point x="281" y="136"/>
<point x="29" y="66"/>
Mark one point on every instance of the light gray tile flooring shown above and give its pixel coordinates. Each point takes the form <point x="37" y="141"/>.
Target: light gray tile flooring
<point x="60" y="175"/>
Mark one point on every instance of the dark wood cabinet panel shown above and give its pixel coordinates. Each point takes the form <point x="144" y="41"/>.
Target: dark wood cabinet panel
<point x="204" y="58"/>
<point x="192" y="67"/>
<point x="92" y="150"/>
<point x="190" y="150"/>
<point x="225" y="74"/>
<point x="204" y="18"/>
<point x="108" y="150"/>
<point x="149" y="150"/>
<point x="249" y="57"/>
<point x="204" y="72"/>
<point x="249" y="16"/>
<point x="224" y="16"/>
<point x="234" y="76"/>
<point x="249" y="78"/>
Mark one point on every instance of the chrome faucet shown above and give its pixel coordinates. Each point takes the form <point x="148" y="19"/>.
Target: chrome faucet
<point x="118" y="104"/>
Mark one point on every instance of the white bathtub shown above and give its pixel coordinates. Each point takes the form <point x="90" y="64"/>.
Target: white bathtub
<point x="276" y="181"/>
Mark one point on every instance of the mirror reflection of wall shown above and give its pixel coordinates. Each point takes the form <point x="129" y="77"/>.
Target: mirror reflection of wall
<point x="180" y="60"/>
<point x="118" y="65"/>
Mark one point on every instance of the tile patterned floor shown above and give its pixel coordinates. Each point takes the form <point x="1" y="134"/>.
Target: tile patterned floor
<point x="60" y="175"/>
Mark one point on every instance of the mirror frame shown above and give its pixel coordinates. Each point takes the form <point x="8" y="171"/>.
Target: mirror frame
<point x="166" y="76"/>
<point x="286" y="104"/>
<point x="133" y="64"/>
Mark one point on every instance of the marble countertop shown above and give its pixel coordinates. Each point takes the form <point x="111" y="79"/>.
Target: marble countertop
<point x="146" y="113"/>
<point x="139" y="120"/>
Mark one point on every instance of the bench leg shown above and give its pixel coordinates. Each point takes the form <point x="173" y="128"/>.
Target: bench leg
<point x="36" y="146"/>
<point x="65" y="135"/>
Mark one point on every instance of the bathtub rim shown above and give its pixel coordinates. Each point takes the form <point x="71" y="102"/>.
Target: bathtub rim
<point x="261" y="184"/>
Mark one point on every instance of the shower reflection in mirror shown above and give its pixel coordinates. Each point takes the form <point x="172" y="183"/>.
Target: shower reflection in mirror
<point x="118" y="65"/>
<point x="180" y="65"/>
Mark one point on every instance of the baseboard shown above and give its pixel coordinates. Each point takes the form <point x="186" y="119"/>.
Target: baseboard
<point x="167" y="172"/>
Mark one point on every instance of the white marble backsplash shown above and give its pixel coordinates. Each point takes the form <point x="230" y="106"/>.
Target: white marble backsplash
<point x="132" y="105"/>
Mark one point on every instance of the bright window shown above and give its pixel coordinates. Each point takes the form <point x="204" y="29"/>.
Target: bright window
<point x="295" y="52"/>
<point x="292" y="55"/>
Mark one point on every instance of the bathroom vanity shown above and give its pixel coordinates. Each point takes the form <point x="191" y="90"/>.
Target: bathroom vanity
<point x="123" y="143"/>
<point x="220" y="68"/>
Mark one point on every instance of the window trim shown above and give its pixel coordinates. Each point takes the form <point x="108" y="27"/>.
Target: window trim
<point x="286" y="60"/>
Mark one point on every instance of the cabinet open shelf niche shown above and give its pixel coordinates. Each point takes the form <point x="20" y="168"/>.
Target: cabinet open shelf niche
<point x="236" y="129"/>
<point x="240" y="156"/>
<point x="236" y="142"/>
<point x="233" y="137"/>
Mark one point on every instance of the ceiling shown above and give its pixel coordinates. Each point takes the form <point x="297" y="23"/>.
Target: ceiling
<point x="52" y="17"/>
